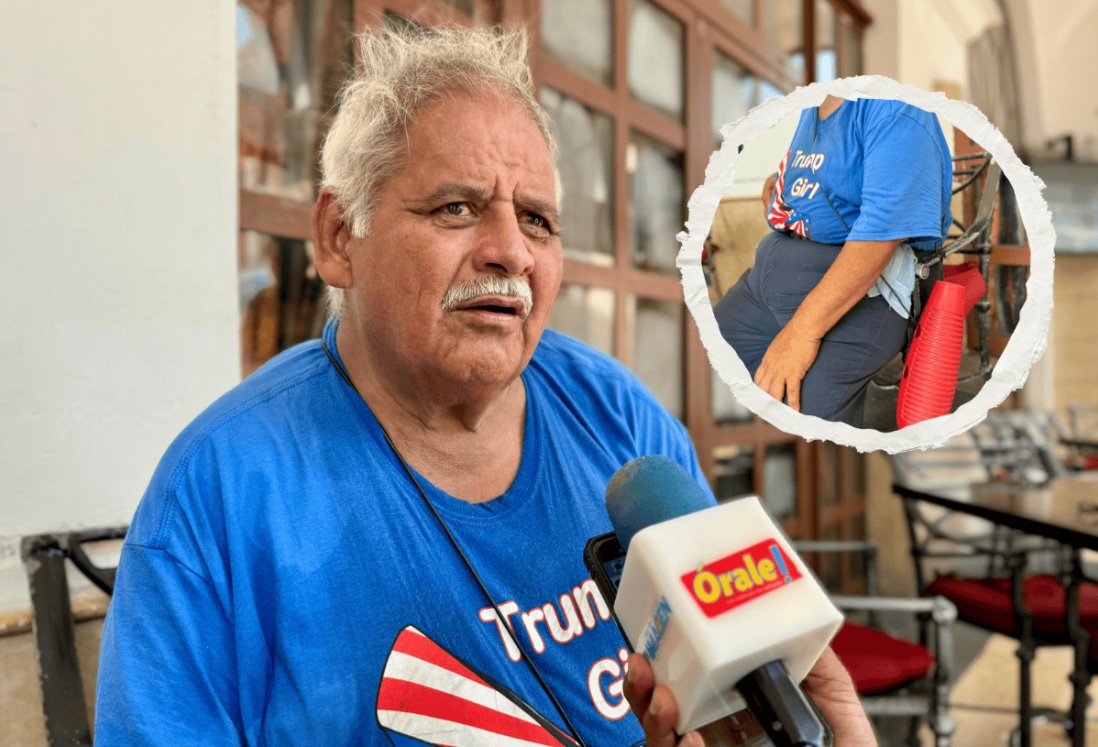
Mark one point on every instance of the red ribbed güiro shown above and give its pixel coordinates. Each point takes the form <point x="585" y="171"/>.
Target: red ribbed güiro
<point x="929" y="380"/>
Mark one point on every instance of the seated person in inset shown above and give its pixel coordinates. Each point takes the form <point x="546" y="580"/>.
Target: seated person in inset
<point x="826" y="305"/>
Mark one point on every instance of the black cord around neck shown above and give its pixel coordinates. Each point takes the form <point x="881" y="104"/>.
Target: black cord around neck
<point x="457" y="548"/>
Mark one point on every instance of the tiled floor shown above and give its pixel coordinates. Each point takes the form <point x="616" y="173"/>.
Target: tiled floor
<point x="21" y="722"/>
<point x="985" y="697"/>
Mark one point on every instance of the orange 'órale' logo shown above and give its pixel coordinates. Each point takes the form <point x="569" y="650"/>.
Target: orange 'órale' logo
<point x="736" y="579"/>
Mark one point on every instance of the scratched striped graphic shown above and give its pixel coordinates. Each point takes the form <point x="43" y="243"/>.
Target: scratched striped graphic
<point x="781" y="215"/>
<point x="428" y="694"/>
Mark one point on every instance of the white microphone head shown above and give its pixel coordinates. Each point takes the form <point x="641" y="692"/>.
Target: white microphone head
<point x="712" y="595"/>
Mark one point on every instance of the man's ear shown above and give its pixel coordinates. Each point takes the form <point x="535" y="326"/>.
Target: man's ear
<point x="331" y="237"/>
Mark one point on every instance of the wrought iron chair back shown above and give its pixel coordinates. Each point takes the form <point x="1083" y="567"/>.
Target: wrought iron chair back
<point x="923" y="699"/>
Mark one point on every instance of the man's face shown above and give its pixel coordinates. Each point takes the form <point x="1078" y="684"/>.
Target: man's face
<point x="475" y="200"/>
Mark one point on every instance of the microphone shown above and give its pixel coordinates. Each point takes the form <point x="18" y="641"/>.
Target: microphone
<point x="719" y="602"/>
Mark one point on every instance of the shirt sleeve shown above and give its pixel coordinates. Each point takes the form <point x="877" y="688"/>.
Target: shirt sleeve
<point x="167" y="661"/>
<point x="662" y="433"/>
<point x="902" y="189"/>
<point x="688" y="458"/>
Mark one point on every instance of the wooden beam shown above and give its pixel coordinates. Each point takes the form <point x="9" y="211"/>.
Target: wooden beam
<point x="274" y="215"/>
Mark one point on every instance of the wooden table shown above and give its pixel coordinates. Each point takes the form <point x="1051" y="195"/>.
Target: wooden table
<point x="1066" y="511"/>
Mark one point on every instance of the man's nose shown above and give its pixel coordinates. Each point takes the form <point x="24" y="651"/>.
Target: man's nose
<point x="502" y="247"/>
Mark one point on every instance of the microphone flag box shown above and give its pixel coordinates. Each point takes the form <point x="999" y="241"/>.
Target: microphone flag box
<point x="714" y="594"/>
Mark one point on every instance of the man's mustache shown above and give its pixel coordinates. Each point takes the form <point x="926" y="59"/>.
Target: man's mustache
<point x="490" y="285"/>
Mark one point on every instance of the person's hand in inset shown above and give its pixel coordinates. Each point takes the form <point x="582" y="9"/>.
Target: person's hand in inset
<point x="785" y="364"/>
<point x="768" y="192"/>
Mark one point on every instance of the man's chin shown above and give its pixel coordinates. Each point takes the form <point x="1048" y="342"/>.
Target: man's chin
<point x="481" y="374"/>
<point x="486" y="362"/>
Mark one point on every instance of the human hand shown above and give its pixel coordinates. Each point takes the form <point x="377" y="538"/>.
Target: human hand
<point x="768" y="193"/>
<point x="787" y="360"/>
<point x="832" y="690"/>
<point x="654" y="706"/>
<point x="828" y="684"/>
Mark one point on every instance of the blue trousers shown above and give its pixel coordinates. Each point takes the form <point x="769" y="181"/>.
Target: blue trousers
<point x="757" y="307"/>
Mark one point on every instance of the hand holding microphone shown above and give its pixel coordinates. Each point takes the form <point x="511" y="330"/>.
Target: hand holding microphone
<point x="828" y="684"/>
<point x="722" y="607"/>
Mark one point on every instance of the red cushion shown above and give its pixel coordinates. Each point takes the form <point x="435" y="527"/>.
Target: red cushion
<point x="877" y="662"/>
<point x="986" y="602"/>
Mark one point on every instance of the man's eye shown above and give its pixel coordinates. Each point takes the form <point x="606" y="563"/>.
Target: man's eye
<point x="456" y="208"/>
<point x="539" y="222"/>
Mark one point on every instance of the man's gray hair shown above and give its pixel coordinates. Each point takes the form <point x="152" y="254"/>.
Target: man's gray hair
<point x="401" y="71"/>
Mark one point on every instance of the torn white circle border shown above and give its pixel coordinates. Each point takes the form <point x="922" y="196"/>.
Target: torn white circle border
<point x="1026" y="344"/>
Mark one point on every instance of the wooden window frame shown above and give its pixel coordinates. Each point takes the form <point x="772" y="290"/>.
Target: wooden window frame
<point x="707" y="26"/>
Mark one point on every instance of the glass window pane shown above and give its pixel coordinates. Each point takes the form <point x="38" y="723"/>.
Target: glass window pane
<point x="734" y="469"/>
<point x="658" y="350"/>
<point x="825" y="41"/>
<point x="850" y="48"/>
<point x="585" y="141"/>
<point x="768" y="90"/>
<point x="726" y="408"/>
<point x="289" y="73"/>
<point x="828" y="486"/>
<point x="465" y="6"/>
<point x="855" y="530"/>
<point x="855" y="472"/>
<point x="587" y="314"/>
<point x="282" y="298"/>
<point x="656" y="58"/>
<point x="831" y="563"/>
<point x="734" y="92"/>
<point x="579" y="35"/>
<point x="256" y="66"/>
<point x="782" y="25"/>
<point x="655" y="202"/>
<point x="396" y="22"/>
<point x="291" y="61"/>
<point x="780" y="481"/>
<point x="742" y="9"/>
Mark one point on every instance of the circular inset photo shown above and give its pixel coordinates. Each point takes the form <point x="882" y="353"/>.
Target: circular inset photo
<point x="869" y="263"/>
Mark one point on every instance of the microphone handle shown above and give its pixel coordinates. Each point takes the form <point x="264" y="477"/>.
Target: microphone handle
<point x="786" y="713"/>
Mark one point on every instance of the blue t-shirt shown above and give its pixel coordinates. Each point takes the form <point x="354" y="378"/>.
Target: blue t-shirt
<point x="874" y="170"/>
<point x="284" y="583"/>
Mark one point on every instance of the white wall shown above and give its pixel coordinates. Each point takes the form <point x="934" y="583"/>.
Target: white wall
<point x="924" y="42"/>
<point x="118" y="317"/>
<point x="1058" y="66"/>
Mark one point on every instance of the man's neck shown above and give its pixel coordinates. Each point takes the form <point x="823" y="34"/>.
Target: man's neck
<point x="465" y="439"/>
<point x="829" y="105"/>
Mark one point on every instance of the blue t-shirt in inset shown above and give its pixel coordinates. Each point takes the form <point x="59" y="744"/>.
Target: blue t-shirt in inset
<point x="873" y="170"/>
<point x="284" y="583"/>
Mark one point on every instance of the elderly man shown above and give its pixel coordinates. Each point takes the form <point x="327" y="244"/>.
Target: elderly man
<point x="376" y="538"/>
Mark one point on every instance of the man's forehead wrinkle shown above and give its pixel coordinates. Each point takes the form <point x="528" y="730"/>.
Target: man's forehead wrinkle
<point x="485" y="187"/>
<point x="450" y="154"/>
<point x="463" y="189"/>
<point x="485" y="158"/>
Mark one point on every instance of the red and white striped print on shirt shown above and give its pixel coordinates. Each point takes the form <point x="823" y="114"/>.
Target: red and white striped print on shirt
<point x="780" y="215"/>
<point x="429" y="694"/>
